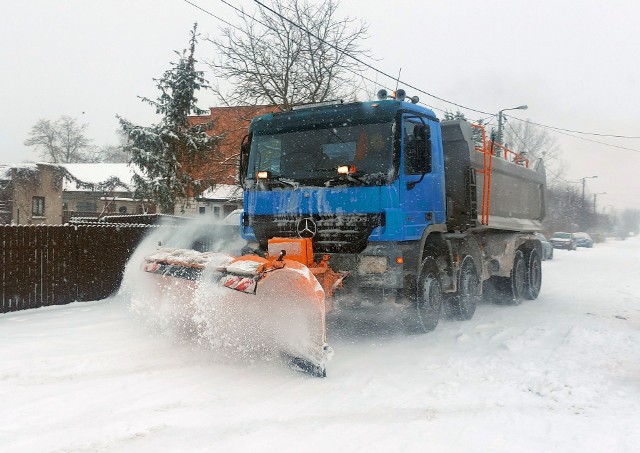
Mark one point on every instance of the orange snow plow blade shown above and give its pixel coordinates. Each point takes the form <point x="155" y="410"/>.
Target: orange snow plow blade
<point x="276" y="302"/>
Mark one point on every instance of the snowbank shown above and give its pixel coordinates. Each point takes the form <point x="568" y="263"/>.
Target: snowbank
<point x="560" y="374"/>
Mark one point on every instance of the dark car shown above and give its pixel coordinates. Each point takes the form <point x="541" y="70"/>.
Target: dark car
<point x="547" y="248"/>
<point x="583" y="240"/>
<point x="562" y="240"/>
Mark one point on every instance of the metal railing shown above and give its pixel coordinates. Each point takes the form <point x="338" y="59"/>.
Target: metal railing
<point x="490" y="150"/>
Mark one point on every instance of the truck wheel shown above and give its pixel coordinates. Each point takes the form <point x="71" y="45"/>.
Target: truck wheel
<point x="424" y="313"/>
<point x="463" y="305"/>
<point x="533" y="281"/>
<point x="517" y="279"/>
<point x="509" y="290"/>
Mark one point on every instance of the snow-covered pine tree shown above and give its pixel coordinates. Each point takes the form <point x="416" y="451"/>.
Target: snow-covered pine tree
<point x="458" y="115"/>
<point x="166" y="152"/>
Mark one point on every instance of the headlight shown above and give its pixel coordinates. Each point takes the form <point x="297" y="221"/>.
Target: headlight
<point x="372" y="265"/>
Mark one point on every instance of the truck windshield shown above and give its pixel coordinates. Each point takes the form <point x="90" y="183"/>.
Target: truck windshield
<point x="312" y="156"/>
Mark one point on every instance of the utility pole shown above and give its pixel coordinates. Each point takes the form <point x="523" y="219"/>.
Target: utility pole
<point x="584" y="180"/>
<point x="583" y="210"/>
<point x="595" y="197"/>
<point x="501" y="120"/>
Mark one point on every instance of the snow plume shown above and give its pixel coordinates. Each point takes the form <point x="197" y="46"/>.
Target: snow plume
<point x="170" y="309"/>
<point x="286" y="315"/>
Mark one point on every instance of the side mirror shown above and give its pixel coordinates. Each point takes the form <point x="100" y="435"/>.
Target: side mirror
<point x="245" y="147"/>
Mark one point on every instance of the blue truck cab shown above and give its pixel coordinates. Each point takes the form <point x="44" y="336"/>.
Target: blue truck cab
<point x="366" y="182"/>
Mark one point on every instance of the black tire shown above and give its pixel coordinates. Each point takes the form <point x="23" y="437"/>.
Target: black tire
<point x="518" y="278"/>
<point x="533" y="280"/>
<point x="426" y="308"/>
<point x="463" y="305"/>
<point x="509" y="290"/>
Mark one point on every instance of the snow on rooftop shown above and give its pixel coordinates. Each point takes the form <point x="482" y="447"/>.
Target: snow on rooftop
<point x="223" y="192"/>
<point x="5" y="172"/>
<point x="97" y="173"/>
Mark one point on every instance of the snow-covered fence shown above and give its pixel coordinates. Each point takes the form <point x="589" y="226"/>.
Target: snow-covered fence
<point x="57" y="264"/>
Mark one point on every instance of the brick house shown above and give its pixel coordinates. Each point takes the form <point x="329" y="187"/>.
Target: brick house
<point x="232" y="123"/>
<point x="31" y="194"/>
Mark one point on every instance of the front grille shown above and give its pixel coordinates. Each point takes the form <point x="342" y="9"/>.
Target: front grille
<point x="335" y="233"/>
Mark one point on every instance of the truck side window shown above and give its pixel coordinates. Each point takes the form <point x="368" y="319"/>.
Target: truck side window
<point x="417" y="147"/>
<point x="269" y="150"/>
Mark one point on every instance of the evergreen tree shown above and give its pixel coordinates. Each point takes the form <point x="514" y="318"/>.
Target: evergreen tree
<point x="167" y="153"/>
<point x="458" y="115"/>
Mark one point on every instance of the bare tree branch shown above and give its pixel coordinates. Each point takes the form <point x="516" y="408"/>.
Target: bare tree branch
<point x="537" y="144"/>
<point x="61" y="141"/>
<point x="276" y="62"/>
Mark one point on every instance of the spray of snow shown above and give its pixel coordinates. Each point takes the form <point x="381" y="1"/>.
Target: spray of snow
<point x="232" y="325"/>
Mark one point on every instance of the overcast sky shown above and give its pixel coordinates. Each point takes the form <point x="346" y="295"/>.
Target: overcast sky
<point x="575" y="63"/>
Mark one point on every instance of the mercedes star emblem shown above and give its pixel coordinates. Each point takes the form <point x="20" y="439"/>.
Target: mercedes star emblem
<point x="307" y="228"/>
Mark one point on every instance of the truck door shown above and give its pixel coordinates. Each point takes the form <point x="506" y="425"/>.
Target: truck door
<point x="419" y="180"/>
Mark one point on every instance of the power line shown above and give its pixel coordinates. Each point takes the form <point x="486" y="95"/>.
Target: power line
<point x="333" y="46"/>
<point x="559" y="129"/>
<point x="242" y="12"/>
<point x="367" y="65"/>
<point x="213" y="15"/>
<point x="425" y="92"/>
<point x="524" y="144"/>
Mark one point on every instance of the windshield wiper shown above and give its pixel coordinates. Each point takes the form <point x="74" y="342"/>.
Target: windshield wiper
<point x="278" y="180"/>
<point x="351" y="179"/>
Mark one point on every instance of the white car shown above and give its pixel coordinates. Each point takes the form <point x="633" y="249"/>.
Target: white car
<point x="547" y="248"/>
<point x="233" y="218"/>
<point x="562" y="240"/>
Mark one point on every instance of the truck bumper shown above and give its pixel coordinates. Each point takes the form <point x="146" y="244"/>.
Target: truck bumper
<point x="380" y="265"/>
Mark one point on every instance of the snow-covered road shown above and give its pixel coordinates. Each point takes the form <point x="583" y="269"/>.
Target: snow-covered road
<point x="560" y="374"/>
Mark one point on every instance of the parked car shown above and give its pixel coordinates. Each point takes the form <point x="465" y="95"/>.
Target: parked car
<point x="562" y="240"/>
<point x="547" y="248"/>
<point x="583" y="240"/>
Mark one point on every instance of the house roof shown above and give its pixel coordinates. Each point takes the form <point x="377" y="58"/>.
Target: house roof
<point x="5" y="172"/>
<point x="10" y="171"/>
<point x="222" y="192"/>
<point x="98" y="173"/>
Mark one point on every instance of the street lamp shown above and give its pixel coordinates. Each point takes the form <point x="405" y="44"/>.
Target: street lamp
<point x="595" y="197"/>
<point x="501" y="120"/>
<point x="584" y="180"/>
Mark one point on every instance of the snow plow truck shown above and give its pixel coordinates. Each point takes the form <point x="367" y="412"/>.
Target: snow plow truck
<point x="352" y="204"/>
